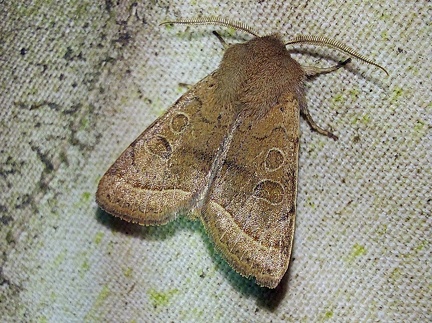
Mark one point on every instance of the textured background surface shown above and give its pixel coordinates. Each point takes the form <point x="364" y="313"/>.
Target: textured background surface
<point x="80" y="80"/>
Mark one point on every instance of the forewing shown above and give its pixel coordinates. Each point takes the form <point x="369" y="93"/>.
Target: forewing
<point x="165" y="169"/>
<point x="250" y="213"/>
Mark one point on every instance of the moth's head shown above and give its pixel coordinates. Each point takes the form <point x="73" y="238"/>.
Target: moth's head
<point x="258" y="49"/>
<point x="258" y="72"/>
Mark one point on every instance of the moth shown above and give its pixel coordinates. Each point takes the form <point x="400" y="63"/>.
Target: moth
<point x="227" y="153"/>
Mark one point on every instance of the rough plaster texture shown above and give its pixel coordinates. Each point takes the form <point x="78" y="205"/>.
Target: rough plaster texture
<point x="80" y="80"/>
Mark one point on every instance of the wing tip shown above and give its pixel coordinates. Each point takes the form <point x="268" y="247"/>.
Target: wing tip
<point x="247" y="257"/>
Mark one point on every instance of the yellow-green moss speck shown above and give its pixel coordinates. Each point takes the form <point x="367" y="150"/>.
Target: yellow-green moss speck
<point x="86" y="196"/>
<point x="161" y="298"/>
<point x="328" y="315"/>
<point x="98" y="237"/>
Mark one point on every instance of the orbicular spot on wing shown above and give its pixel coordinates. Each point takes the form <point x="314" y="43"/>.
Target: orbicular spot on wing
<point x="179" y="123"/>
<point x="159" y="146"/>
<point x="269" y="191"/>
<point x="274" y="159"/>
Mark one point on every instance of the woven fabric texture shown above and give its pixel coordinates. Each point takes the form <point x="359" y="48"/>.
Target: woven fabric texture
<point x="81" y="80"/>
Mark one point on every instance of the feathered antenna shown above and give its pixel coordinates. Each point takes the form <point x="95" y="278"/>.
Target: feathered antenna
<point x="314" y="40"/>
<point x="215" y="21"/>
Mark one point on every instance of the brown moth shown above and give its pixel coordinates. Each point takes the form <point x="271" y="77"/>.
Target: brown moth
<point x="227" y="153"/>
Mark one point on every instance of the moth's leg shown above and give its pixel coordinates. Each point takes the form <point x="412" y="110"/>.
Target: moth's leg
<point x="305" y="113"/>
<point x="222" y="41"/>
<point x="186" y="85"/>
<point x="311" y="71"/>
